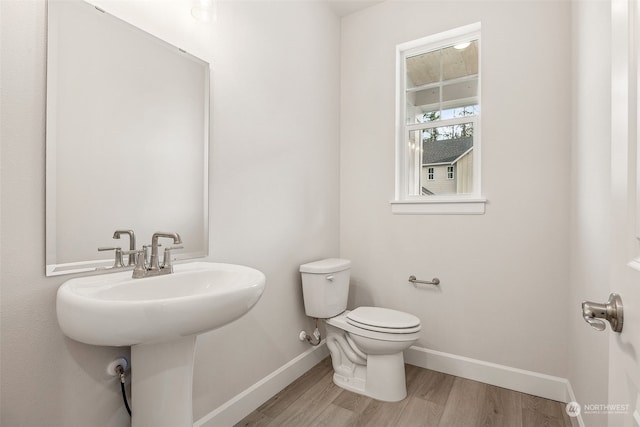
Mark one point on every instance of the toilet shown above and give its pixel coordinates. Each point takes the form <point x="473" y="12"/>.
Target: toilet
<point x="366" y="343"/>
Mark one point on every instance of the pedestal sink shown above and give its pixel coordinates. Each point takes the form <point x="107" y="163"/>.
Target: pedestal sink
<point x="159" y="317"/>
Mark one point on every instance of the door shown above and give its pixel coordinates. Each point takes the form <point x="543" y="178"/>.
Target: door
<point x="623" y="408"/>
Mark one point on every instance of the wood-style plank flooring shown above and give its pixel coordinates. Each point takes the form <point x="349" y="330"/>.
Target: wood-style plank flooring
<point x="434" y="399"/>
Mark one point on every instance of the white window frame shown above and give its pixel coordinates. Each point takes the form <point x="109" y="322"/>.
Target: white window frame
<point x="403" y="203"/>
<point x="451" y="172"/>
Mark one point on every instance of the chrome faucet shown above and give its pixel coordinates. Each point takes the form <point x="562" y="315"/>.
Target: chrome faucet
<point x="153" y="268"/>
<point x="153" y="262"/>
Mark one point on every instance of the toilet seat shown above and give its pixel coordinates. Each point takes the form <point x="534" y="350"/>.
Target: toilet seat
<point x="383" y="320"/>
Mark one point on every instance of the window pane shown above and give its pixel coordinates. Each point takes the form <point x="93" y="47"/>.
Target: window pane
<point x="460" y="61"/>
<point x="463" y="90"/>
<point x="421" y="101"/>
<point x="423" y="69"/>
<point x="441" y="79"/>
<point x="447" y="160"/>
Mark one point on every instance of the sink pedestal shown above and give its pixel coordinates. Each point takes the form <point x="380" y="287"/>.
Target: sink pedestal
<point x="161" y="383"/>
<point x="159" y="317"/>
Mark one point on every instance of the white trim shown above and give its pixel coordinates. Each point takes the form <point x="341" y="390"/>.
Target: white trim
<point x="547" y="386"/>
<point x="571" y="397"/>
<point x="443" y="122"/>
<point x="424" y="165"/>
<point x="241" y="405"/>
<point x="440" y="40"/>
<point x="435" y="206"/>
<point x="542" y="385"/>
<point x="447" y="105"/>
<point x="467" y="78"/>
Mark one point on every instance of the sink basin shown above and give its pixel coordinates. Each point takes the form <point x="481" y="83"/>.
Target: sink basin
<point x="159" y="317"/>
<point x="116" y="310"/>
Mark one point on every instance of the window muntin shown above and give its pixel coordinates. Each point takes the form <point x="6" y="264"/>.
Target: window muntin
<point x="440" y="96"/>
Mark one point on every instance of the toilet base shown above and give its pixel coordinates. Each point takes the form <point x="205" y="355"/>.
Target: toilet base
<point x="368" y="363"/>
<point x="383" y="378"/>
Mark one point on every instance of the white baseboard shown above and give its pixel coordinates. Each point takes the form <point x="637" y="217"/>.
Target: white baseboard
<point x="541" y="385"/>
<point x="575" y="421"/>
<point x="529" y="382"/>
<point x="241" y="405"/>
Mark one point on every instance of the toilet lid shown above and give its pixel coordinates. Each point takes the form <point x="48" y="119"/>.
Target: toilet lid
<point x="383" y="320"/>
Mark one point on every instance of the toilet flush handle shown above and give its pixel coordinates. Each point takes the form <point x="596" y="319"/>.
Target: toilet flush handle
<point x="329" y="277"/>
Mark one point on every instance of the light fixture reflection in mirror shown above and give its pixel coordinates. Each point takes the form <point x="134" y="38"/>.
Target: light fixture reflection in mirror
<point x="204" y="10"/>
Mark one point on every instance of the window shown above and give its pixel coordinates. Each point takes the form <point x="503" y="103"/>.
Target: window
<point x="450" y="172"/>
<point x="438" y="142"/>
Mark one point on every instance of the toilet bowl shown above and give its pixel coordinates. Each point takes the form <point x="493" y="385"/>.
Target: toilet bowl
<point x="369" y="360"/>
<point x="367" y="343"/>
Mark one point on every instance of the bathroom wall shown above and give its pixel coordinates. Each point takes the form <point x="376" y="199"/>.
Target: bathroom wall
<point x="47" y="380"/>
<point x="590" y="214"/>
<point x="504" y="275"/>
<point x="275" y="186"/>
<point x="274" y="201"/>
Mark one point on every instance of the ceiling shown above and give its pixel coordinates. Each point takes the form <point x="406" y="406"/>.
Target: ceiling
<point x="451" y="62"/>
<point x="345" y="7"/>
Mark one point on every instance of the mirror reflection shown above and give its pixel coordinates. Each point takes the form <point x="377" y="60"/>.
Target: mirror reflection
<point x="127" y="139"/>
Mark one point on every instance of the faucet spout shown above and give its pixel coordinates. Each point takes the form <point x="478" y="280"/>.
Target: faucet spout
<point x="175" y="236"/>
<point x="154" y="263"/>
<point x="132" y="243"/>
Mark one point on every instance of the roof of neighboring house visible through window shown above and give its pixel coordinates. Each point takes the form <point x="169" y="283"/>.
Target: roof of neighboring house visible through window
<point x="445" y="151"/>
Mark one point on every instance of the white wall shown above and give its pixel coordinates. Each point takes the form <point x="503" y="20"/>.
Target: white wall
<point x="275" y="186"/>
<point x="590" y="213"/>
<point x="504" y="276"/>
<point x="274" y="201"/>
<point x="46" y="378"/>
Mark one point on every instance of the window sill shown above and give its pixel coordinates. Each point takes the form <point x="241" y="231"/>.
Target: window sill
<point x="449" y="206"/>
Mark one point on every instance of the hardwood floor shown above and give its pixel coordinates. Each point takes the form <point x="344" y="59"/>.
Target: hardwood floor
<point x="434" y="399"/>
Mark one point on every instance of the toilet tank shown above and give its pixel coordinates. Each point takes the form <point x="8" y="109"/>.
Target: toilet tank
<point x="325" y="287"/>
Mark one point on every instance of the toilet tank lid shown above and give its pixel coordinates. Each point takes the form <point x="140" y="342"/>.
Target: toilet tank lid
<point x="329" y="265"/>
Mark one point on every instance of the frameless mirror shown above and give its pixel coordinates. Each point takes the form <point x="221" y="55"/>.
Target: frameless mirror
<point x="127" y="139"/>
